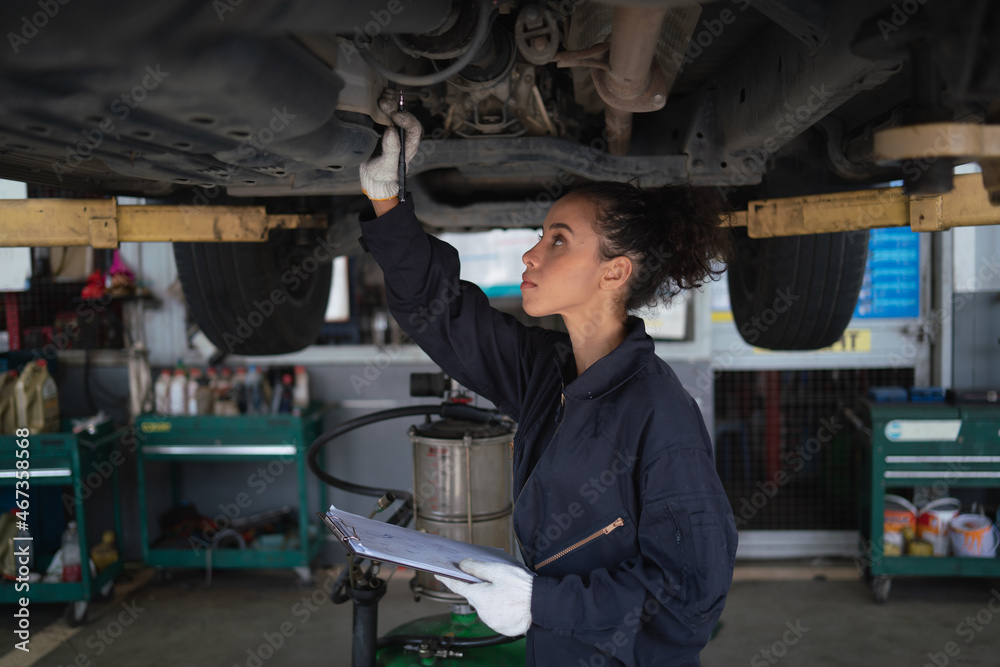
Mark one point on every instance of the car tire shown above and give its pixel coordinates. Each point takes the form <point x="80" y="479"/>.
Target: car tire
<point x="796" y="292"/>
<point x="256" y="298"/>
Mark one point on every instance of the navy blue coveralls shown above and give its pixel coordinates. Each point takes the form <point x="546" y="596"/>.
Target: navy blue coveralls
<point x="619" y="509"/>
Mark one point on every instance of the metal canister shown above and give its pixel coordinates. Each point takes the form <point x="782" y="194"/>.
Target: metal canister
<point x="461" y="488"/>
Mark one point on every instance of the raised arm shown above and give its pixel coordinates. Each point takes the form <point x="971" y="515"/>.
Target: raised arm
<point x="450" y="319"/>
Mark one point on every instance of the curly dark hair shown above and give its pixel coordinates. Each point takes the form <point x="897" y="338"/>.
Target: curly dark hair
<point x="674" y="235"/>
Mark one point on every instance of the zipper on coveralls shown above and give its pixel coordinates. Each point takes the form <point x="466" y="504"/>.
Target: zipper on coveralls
<point x="617" y="523"/>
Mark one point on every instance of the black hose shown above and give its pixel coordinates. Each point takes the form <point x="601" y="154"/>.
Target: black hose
<point x="446" y="410"/>
<point x="446" y="642"/>
<point x="312" y="456"/>
<point x="401" y="516"/>
<point x="479" y="38"/>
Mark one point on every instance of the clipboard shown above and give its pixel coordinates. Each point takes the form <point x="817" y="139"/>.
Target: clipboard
<point x="386" y="543"/>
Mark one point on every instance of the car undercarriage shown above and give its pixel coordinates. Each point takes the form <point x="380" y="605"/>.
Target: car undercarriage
<point x="274" y="103"/>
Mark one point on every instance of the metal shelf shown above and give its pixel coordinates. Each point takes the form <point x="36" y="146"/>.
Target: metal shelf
<point x="191" y="440"/>
<point x="61" y="459"/>
<point x="913" y="444"/>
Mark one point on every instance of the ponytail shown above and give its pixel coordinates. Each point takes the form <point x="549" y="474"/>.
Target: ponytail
<point x="674" y="235"/>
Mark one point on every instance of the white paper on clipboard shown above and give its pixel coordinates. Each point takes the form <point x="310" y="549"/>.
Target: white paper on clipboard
<point x="387" y="543"/>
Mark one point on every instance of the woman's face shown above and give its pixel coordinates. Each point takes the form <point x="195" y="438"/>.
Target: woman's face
<point x="563" y="270"/>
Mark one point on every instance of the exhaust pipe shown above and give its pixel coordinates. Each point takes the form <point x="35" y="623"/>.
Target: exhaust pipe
<point x="633" y="82"/>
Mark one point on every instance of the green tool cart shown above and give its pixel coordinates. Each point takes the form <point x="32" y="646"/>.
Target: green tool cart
<point x="190" y="440"/>
<point x="83" y="461"/>
<point x="924" y="444"/>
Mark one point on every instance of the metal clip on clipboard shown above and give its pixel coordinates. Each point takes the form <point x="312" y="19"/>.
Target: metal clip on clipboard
<point x="343" y="532"/>
<point x="386" y="543"/>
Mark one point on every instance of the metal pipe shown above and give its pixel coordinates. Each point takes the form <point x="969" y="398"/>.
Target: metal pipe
<point x="618" y="123"/>
<point x="634" y="35"/>
<point x="365" y="630"/>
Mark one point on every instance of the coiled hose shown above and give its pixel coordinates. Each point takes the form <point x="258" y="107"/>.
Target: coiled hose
<point x="405" y="513"/>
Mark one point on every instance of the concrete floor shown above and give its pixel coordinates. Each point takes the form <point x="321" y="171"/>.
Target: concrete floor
<point x="835" y="622"/>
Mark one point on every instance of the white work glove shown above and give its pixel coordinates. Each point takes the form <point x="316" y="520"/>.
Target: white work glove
<point x="502" y="600"/>
<point x="380" y="175"/>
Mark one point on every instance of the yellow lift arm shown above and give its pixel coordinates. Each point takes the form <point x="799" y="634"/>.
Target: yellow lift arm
<point x="101" y="223"/>
<point x="968" y="204"/>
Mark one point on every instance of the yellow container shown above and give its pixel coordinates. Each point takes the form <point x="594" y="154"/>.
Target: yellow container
<point x="105" y="553"/>
<point x="920" y="548"/>
<point x="37" y="398"/>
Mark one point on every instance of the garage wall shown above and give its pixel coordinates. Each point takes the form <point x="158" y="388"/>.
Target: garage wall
<point x="977" y="340"/>
<point x="976" y="307"/>
<point x="165" y="330"/>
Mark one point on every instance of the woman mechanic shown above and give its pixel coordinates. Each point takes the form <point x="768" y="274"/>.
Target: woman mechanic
<point x="622" y="521"/>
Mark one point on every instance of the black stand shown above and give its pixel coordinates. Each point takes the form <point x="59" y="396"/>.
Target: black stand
<point x="366" y="601"/>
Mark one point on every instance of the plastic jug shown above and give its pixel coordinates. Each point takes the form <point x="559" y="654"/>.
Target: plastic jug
<point x="194" y="379"/>
<point x="254" y="392"/>
<point x="161" y="390"/>
<point x="301" y="392"/>
<point x="283" y="396"/>
<point x="224" y="403"/>
<point x="72" y="565"/>
<point x="204" y="398"/>
<point x="239" y="390"/>
<point x="178" y="393"/>
<point x="37" y="398"/>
